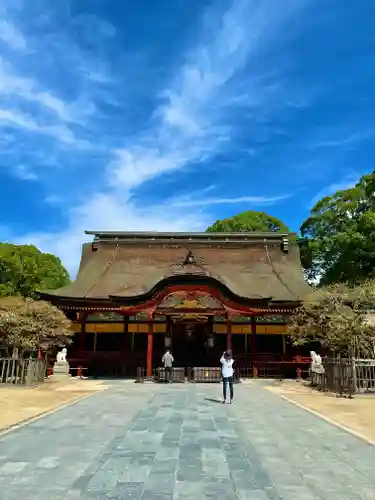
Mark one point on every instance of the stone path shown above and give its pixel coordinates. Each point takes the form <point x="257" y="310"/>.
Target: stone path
<point x="149" y="442"/>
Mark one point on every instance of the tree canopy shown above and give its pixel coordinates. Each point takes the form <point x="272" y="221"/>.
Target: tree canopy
<point x="24" y="269"/>
<point x="251" y="221"/>
<point x="27" y="324"/>
<point x="339" y="318"/>
<point x="338" y="238"/>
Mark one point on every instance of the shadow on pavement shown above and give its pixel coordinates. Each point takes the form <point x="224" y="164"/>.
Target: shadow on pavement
<point x="212" y="400"/>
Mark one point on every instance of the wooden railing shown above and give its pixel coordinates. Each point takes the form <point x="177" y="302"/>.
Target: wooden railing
<point x="293" y="368"/>
<point x="275" y="366"/>
<point x="18" y="371"/>
<point x="267" y="365"/>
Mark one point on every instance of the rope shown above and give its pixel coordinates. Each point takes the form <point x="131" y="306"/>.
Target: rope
<point x="276" y="273"/>
<point x="107" y="268"/>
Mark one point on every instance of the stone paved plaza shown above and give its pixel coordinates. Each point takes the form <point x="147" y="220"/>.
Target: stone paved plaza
<point x="150" y="442"/>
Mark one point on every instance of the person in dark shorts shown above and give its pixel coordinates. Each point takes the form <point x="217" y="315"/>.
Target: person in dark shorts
<point x="168" y="360"/>
<point x="227" y="373"/>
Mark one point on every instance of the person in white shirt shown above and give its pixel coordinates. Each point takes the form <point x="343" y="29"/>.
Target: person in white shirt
<point x="227" y="373"/>
<point x="168" y="361"/>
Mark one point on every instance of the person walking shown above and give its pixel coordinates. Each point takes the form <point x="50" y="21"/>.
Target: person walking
<point x="168" y="360"/>
<point x="227" y="373"/>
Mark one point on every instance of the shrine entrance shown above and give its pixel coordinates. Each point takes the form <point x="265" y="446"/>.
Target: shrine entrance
<point x="191" y="343"/>
<point x="190" y="314"/>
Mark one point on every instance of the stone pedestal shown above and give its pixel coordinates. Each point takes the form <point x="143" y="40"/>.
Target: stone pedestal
<point x="60" y="371"/>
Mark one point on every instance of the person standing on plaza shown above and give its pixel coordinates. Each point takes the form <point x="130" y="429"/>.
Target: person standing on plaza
<point x="168" y="360"/>
<point x="227" y="373"/>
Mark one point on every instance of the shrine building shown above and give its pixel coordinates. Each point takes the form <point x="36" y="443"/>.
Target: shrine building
<point x="137" y="293"/>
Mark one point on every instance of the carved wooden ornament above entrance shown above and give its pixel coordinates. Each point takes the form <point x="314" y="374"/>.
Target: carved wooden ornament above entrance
<point x="183" y="300"/>
<point x="190" y="318"/>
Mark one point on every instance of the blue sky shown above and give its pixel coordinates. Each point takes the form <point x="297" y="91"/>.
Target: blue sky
<point x="170" y="114"/>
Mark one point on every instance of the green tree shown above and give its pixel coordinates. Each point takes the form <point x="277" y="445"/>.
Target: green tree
<point x="27" y="324"/>
<point x="251" y="221"/>
<point x="338" y="318"/>
<point x="24" y="270"/>
<point x="338" y="238"/>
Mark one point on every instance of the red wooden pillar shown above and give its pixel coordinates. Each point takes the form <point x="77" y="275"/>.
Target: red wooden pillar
<point x="126" y="332"/>
<point x="149" y="349"/>
<point x="168" y="331"/>
<point x="40" y="355"/>
<point x="210" y="332"/>
<point x="82" y="318"/>
<point x="254" y="349"/>
<point x="229" y="334"/>
<point x="299" y="368"/>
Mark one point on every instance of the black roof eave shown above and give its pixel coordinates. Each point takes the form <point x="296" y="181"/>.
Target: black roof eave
<point x="162" y="237"/>
<point x="117" y="302"/>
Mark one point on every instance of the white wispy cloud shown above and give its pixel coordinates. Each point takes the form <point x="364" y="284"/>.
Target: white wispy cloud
<point x="339" y="137"/>
<point x="10" y="35"/>
<point x="12" y="85"/>
<point x="24" y="173"/>
<point x="17" y="119"/>
<point x="249" y="200"/>
<point x="60" y="132"/>
<point x="347" y="182"/>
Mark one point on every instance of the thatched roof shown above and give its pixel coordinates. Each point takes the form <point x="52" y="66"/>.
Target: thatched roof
<point x="130" y="265"/>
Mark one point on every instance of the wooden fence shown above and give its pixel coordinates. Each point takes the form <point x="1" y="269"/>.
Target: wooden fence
<point x="22" y="371"/>
<point x="365" y="375"/>
<point x="345" y="376"/>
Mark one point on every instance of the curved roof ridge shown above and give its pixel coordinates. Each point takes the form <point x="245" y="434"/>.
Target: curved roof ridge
<point x="160" y="284"/>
